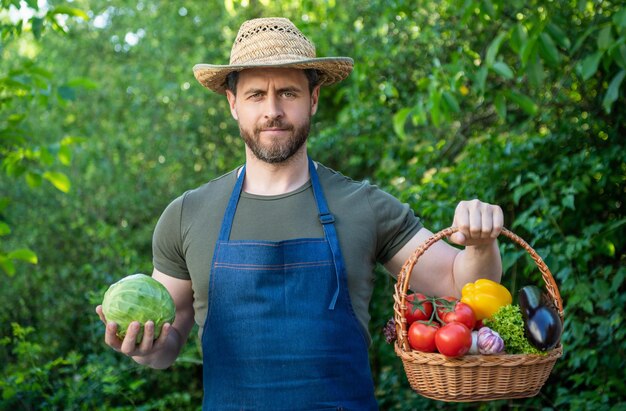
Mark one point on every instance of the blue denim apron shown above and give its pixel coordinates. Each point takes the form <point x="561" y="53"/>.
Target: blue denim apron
<point x="280" y="332"/>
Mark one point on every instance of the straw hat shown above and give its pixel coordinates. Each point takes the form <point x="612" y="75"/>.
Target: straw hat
<point x="272" y="42"/>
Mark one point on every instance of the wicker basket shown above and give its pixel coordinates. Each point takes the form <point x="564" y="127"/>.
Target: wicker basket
<point x="472" y="377"/>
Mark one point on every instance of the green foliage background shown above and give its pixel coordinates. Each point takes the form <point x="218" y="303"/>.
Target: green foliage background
<point x="519" y="103"/>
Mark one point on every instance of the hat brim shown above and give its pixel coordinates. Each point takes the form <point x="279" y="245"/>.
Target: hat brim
<point x="331" y="70"/>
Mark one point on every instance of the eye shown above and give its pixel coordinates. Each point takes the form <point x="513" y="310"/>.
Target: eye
<point x="255" y="96"/>
<point x="289" y="94"/>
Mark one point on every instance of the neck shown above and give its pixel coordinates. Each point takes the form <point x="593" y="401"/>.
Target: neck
<point x="274" y="179"/>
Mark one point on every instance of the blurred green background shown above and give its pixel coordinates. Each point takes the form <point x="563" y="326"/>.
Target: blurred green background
<point x="102" y="124"/>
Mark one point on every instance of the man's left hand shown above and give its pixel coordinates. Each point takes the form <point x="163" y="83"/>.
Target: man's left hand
<point x="479" y="223"/>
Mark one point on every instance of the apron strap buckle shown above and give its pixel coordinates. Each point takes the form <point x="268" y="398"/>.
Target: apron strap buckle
<point x="326" y="218"/>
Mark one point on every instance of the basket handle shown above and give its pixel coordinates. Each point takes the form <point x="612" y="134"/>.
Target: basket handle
<point x="404" y="276"/>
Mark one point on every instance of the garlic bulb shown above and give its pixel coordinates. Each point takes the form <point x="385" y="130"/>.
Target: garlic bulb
<point x="489" y="341"/>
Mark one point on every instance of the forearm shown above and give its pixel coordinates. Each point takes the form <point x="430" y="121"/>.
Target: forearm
<point x="166" y="355"/>
<point x="476" y="262"/>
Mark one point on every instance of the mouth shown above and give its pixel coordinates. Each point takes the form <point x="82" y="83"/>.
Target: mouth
<point x="274" y="131"/>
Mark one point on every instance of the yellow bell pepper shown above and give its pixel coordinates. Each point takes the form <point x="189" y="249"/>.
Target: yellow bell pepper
<point x="485" y="297"/>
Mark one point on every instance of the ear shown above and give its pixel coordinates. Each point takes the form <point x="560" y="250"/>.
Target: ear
<point x="315" y="94"/>
<point x="231" y="102"/>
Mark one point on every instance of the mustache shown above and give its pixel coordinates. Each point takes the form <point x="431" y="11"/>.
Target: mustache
<point x="275" y="124"/>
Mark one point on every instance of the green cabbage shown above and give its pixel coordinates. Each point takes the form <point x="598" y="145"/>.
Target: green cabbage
<point x="141" y="298"/>
<point x="508" y="322"/>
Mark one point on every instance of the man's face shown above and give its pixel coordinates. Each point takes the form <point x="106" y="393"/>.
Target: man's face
<point x="273" y="108"/>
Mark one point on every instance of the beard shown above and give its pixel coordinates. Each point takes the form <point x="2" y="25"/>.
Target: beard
<point x="278" y="150"/>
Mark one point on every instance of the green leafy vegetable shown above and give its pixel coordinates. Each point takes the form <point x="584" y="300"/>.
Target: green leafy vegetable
<point x="138" y="297"/>
<point x="508" y="322"/>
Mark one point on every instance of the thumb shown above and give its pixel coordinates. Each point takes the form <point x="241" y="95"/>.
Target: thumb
<point x="458" y="238"/>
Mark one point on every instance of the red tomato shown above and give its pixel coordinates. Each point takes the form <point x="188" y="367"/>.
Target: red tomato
<point x="453" y="339"/>
<point x="445" y="304"/>
<point x="422" y="336"/>
<point x="461" y="313"/>
<point x="418" y="308"/>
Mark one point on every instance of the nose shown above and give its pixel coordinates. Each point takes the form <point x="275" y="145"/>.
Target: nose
<point x="273" y="107"/>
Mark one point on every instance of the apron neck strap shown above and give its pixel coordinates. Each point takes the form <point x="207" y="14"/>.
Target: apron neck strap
<point x="326" y="219"/>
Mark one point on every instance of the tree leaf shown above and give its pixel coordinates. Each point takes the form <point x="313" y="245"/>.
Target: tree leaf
<point x="558" y="35"/>
<point x="451" y="102"/>
<point x="36" y="25"/>
<point x="481" y="79"/>
<point x="522" y="190"/>
<point x="580" y="40"/>
<point x="70" y="11"/>
<point x="613" y="91"/>
<point x="548" y="50"/>
<point x="4" y="228"/>
<point x="492" y="51"/>
<point x="67" y="93"/>
<point x="435" y="109"/>
<point x="58" y="179"/>
<point x="82" y="82"/>
<point x="524" y="102"/>
<point x="502" y="69"/>
<point x="33" y="179"/>
<point x="619" y="18"/>
<point x="518" y="37"/>
<point x="23" y="254"/>
<point x="568" y="201"/>
<point x="65" y="155"/>
<point x="8" y="266"/>
<point x="618" y="53"/>
<point x="534" y="71"/>
<point x="589" y="65"/>
<point x="528" y="49"/>
<point x="399" y="120"/>
<point x="4" y="203"/>
<point x="605" y="38"/>
<point x="500" y="103"/>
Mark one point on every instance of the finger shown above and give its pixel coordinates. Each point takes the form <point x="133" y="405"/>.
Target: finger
<point x="101" y="314"/>
<point x="486" y="223"/>
<point x="165" y="330"/>
<point x="498" y="222"/>
<point x="475" y="222"/>
<point x="110" y="337"/>
<point x="458" y="238"/>
<point x="148" y="337"/>
<point x="130" y="340"/>
<point x="461" y="218"/>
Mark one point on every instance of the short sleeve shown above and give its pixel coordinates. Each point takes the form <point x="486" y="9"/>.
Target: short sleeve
<point x="167" y="243"/>
<point x="395" y="221"/>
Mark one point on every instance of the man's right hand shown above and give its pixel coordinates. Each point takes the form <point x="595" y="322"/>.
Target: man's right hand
<point x="162" y="352"/>
<point x="128" y="345"/>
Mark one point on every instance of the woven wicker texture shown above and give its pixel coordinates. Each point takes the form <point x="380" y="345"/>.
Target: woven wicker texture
<point x="272" y="42"/>
<point x="472" y="377"/>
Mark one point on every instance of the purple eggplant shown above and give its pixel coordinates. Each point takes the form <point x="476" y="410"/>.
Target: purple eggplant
<point x="542" y="323"/>
<point x="543" y="328"/>
<point x="529" y="299"/>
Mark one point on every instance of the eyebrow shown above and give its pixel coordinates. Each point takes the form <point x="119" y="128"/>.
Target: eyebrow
<point x="253" y="91"/>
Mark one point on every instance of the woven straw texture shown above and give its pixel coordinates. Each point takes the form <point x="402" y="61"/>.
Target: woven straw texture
<point x="272" y="42"/>
<point x="472" y="377"/>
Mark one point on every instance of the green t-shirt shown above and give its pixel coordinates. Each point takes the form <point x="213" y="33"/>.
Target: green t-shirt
<point x="372" y="227"/>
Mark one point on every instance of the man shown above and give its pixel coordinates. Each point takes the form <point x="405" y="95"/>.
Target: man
<point x="274" y="260"/>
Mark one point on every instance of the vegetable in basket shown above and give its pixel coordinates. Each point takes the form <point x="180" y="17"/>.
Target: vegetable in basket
<point x="485" y="297"/>
<point x="453" y="339"/>
<point x="418" y="308"/>
<point x="487" y="342"/>
<point x="422" y="336"/>
<point x="541" y="321"/>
